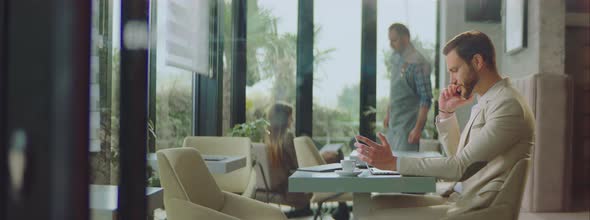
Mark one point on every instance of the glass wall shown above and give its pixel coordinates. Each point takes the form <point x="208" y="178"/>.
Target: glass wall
<point x="174" y="89"/>
<point x="227" y="71"/>
<point x="272" y="49"/>
<point x="337" y="51"/>
<point x="271" y="71"/>
<point x="173" y="96"/>
<point x="104" y="91"/>
<point x="420" y="18"/>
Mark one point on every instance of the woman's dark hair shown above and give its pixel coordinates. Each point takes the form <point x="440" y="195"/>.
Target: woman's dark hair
<point x="279" y="117"/>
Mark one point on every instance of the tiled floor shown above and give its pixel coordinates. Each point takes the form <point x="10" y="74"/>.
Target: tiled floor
<point x="523" y="216"/>
<point x="556" y="216"/>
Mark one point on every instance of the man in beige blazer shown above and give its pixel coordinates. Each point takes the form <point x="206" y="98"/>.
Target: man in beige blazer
<point x="499" y="133"/>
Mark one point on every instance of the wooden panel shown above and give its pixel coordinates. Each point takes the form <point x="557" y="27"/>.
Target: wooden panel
<point x="577" y="66"/>
<point x="577" y="6"/>
<point x="585" y="106"/>
<point x="585" y="126"/>
<point x="586" y="150"/>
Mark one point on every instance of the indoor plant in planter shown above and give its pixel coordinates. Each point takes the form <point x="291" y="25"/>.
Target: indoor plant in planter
<point x="255" y="130"/>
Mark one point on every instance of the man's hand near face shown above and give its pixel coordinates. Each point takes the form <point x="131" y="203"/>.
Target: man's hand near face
<point x="377" y="155"/>
<point x="450" y="99"/>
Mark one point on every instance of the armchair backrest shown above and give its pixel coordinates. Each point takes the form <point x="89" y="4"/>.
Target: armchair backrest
<point x="260" y="152"/>
<point x="307" y="153"/>
<point x="184" y="175"/>
<point x="513" y="188"/>
<point x="550" y="98"/>
<point x="235" y="181"/>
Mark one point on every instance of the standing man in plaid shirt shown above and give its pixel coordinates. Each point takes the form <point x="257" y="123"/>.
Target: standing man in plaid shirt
<point x="410" y="92"/>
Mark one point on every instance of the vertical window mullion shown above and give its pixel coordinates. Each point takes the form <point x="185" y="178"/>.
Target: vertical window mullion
<point x="239" y="65"/>
<point x="368" y="96"/>
<point x="152" y="75"/>
<point x="3" y="150"/>
<point x="304" y="84"/>
<point x="133" y="112"/>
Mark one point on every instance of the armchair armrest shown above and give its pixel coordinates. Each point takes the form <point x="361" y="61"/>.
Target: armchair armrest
<point x="246" y="208"/>
<point x="184" y="210"/>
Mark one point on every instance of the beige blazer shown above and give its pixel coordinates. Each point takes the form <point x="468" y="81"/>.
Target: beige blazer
<point x="499" y="133"/>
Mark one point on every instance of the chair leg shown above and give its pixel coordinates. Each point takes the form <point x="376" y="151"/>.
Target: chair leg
<point x="342" y="212"/>
<point x="318" y="212"/>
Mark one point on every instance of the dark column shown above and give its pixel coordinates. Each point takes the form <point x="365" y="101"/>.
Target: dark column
<point x="304" y="103"/>
<point x="208" y="90"/>
<point x="3" y="150"/>
<point x="368" y="68"/>
<point x="436" y="63"/>
<point x="152" y="78"/>
<point x="239" y="65"/>
<point x="45" y="106"/>
<point x="133" y="107"/>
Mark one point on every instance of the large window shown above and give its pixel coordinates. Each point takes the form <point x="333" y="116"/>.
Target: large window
<point x="336" y="93"/>
<point x="420" y="18"/>
<point x="272" y="49"/>
<point x="227" y="53"/>
<point x="174" y="89"/>
<point x="104" y="92"/>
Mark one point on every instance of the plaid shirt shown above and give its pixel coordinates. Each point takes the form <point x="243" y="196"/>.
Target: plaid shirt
<point x="420" y="73"/>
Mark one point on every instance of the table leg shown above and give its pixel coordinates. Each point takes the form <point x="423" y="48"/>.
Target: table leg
<point x="361" y="205"/>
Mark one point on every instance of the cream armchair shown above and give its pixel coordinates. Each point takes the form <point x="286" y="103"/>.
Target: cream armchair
<point x="268" y="182"/>
<point x="507" y="203"/>
<point x="190" y="192"/>
<point x="308" y="155"/>
<point x="241" y="181"/>
<point x="549" y="184"/>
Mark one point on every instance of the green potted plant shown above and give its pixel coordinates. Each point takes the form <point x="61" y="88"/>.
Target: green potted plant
<point x="153" y="177"/>
<point x="255" y="130"/>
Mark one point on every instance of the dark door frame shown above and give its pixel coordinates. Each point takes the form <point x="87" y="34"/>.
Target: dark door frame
<point x="134" y="111"/>
<point x="45" y="104"/>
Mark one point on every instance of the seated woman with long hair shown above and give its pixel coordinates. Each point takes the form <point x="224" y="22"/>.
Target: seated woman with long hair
<point x="281" y="152"/>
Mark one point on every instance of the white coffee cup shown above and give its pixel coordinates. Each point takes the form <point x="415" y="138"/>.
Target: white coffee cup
<point x="348" y="165"/>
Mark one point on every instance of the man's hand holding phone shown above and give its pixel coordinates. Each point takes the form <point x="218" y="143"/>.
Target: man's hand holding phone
<point x="450" y="99"/>
<point x="377" y="155"/>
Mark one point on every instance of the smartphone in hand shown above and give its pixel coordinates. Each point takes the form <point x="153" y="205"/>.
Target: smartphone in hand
<point x="357" y="141"/>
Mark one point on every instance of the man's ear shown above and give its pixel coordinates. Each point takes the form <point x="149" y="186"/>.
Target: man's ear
<point x="477" y="62"/>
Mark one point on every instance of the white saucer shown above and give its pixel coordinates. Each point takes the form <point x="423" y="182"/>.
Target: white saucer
<point x="350" y="174"/>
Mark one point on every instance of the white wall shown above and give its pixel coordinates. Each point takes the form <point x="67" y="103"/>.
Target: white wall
<point x="545" y="49"/>
<point x="453" y="23"/>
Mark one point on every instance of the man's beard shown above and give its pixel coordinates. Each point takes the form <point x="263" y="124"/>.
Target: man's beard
<point x="468" y="84"/>
<point x="400" y="49"/>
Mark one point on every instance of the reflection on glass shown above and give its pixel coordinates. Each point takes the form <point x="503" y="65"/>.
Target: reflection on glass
<point x="173" y="90"/>
<point x="104" y="106"/>
<point x="272" y="49"/>
<point x="336" y="93"/>
<point x="420" y="18"/>
<point x="227" y="48"/>
<point x="104" y="115"/>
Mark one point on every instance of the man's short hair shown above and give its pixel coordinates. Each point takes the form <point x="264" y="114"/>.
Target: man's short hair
<point x="470" y="43"/>
<point x="400" y="29"/>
